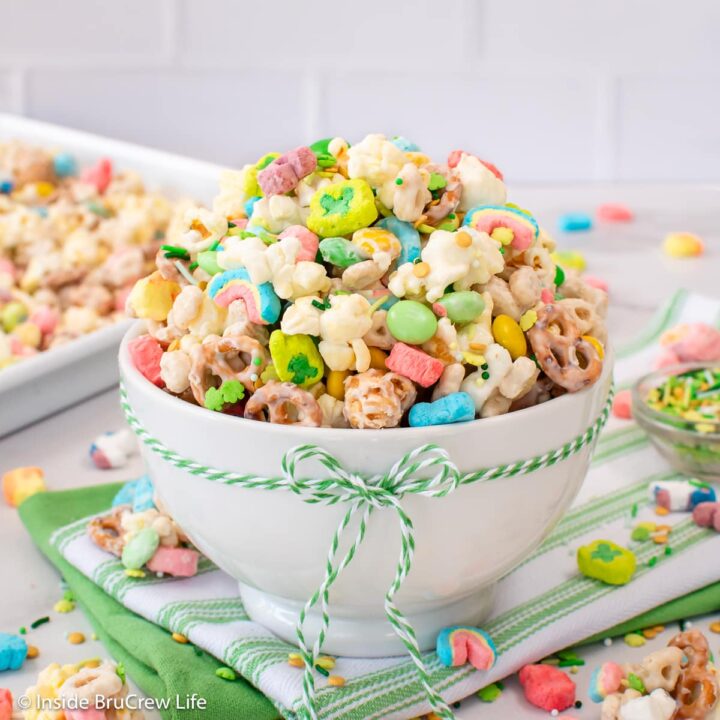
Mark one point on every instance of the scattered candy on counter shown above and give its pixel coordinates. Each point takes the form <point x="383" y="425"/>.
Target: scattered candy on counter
<point x="622" y="405"/>
<point x="137" y="493"/>
<point x="13" y="651"/>
<point x="689" y="342"/>
<point x="72" y="244"/>
<point x="460" y="644"/>
<point x="365" y="286"/>
<point x="547" y="687"/>
<point x="574" y="222"/>
<point x="76" y="638"/>
<point x="691" y="398"/>
<point x="6" y="704"/>
<point x="490" y="693"/>
<point x="614" y="212"/>
<point x="683" y="245"/>
<point x="606" y="561"/>
<point x="21" y="483"/>
<point x="145" y="538"/>
<point x="113" y="449"/>
<point x="707" y="515"/>
<point x="676" y="682"/>
<point x="680" y="495"/>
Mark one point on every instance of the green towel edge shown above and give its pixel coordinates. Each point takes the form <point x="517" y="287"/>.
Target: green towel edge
<point x="159" y="666"/>
<point x="172" y="669"/>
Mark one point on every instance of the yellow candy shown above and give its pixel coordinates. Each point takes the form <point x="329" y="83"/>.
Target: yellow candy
<point x="21" y="483"/>
<point x="373" y="240"/>
<point x="529" y="319"/>
<point x="683" y="244"/>
<point x="473" y="359"/>
<point x="569" y="259"/>
<point x="418" y="158"/>
<point x="152" y="297"/>
<point x="336" y="382"/>
<point x="76" y="638"/>
<point x="508" y="334"/>
<point x="377" y="358"/>
<point x="29" y="334"/>
<point x="336" y="681"/>
<point x="179" y="638"/>
<point x="634" y="640"/>
<point x="503" y="235"/>
<point x="596" y="344"/>
<point x="44" y="189"/>
<point x="325" y="662"/>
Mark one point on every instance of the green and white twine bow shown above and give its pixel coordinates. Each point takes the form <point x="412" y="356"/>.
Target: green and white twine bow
<point x="364" y="495"/>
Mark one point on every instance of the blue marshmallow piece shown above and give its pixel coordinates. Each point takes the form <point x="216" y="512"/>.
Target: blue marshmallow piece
<point x="574" y="222"/>
<point x="701" y="495"/>
<point x="138" y="493"/>
<point x="13" y="651"/>
<point x="65" y="165"/>
<point x="454" y="408"/>
<point x="408" y="236"/>
<point x="404" y="144"/>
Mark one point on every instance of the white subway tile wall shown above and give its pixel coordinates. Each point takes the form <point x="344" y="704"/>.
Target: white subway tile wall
<point x="558" y="90"/>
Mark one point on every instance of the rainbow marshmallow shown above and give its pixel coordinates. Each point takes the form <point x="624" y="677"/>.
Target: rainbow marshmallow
<point x="460" y="644"/>
<point x="605" y="680"/>
<point x="261" y="302"/>
<point x="523" y="230"/>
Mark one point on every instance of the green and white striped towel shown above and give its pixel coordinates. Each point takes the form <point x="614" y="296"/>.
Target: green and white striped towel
<point x="543" y="606"/>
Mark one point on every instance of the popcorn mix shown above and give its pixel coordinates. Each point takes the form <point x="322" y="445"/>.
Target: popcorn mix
<point x="82" y="691"/>
<point x="72" y="244"/>
<point x="365" y="286"/>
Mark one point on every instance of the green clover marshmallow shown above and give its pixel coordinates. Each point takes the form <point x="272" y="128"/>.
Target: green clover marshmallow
<point x="296" y="359"/>
<point x="342" y="208"/>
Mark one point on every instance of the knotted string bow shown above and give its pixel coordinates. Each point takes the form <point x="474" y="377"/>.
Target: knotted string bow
<point x="409" y="475"/>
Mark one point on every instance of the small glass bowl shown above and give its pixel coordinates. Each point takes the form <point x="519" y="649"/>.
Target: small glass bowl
<point x="691" y="451"/>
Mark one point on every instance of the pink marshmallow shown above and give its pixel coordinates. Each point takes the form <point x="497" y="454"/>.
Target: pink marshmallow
<point x="88" y="714"/>
<point x="7" y="268"/>
<point x="596" y="282"/>
<point x="701" y="343"/>
<point x="240" y="222"/>
<point x="547" y="296"/>
<point x="99" y="175"/>
<point x="6" y="704"/>
<point x="414" y="364"/>
<point x="309" y="242"/>
<point x="145" y="352"/>
<point x="283" y="174"/>
<point x="707" y="514"/>
<point x="547" y="687"/>
<point x="46" y="318"/>
<point x="614" y="212"/>
<point x="622" y="405"/>
<point x="178" y="562"/>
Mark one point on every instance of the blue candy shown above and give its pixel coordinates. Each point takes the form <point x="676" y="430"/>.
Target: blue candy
<point x="138" y="493"/>
<point x="13" y="651"/>
<point x="404" y="144"/>
<point x="6" y="186"/>
<point x="144" y="492"/>
<point x="65" y="165"/>
<point x="453" y="408"/>
<point x="574" y="222"/>
<point x="701" y="495"/>
<point x="408" y="236"/>
<point x="250" y="204"/>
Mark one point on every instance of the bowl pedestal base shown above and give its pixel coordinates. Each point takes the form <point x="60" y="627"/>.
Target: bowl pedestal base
<point x="359" y="636"/>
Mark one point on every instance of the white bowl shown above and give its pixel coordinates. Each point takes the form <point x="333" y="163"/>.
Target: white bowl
<point x="276" y="545"/>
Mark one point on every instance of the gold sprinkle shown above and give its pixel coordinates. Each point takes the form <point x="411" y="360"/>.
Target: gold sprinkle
<point x="32" y="652"/>
<point x="421" y="269"/>
<point x="135" y="573"/>
<point x="659" y="510"/>
<point x="178" y="638"/>
<point x="296" y="660"/>
<point x="634" y="640"/>
<point x="463" y="239"/>
<point x="325" y="662"/>
<point x="715" y="627"/>
<point x="336" y="681"/>
<point x="76" y="638"/>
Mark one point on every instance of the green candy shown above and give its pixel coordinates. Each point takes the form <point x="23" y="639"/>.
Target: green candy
<point x="607" y="562"/>
<point x="321" y="148"/>
<point x="226" y="673"/>
<point x="207" y="260"/>
<point x="140" y="548"/>
<point x="559" y="276"/>
<point x="463" y="306"/>
<point x="411" y="322"/>
<point x="296" y="359"/>
<point x="490" y="693"/>
<point x="342" y="208"/>
<point x="12" y="315"/>
<point x="436" y="182"/>
<point x="340" y="252"/>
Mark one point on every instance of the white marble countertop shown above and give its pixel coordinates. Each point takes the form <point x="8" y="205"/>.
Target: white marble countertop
<point x="628" y="256"/>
